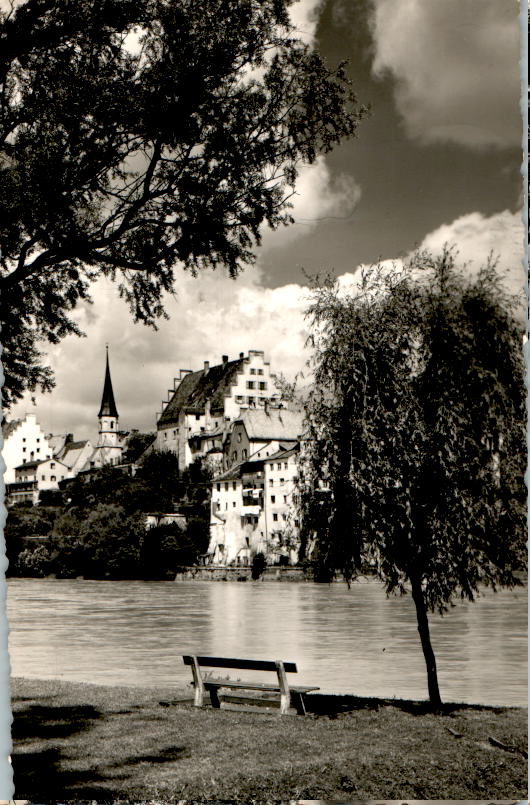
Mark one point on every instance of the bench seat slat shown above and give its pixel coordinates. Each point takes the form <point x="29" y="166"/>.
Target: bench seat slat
<point x="244" y="665"/>
<point x="228" y="683"/>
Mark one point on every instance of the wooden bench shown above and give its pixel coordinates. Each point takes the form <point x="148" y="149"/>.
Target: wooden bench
<point x="290" y="696"/>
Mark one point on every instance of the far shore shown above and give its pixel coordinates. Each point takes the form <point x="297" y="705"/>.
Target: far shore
<point x="85" y="741"/>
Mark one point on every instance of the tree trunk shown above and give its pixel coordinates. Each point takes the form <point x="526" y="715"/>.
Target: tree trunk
<point x="425" y="637"/>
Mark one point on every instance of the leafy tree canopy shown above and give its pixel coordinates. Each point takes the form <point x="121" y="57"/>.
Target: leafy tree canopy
<point x="416" y="454"/>
<point x="141" y="135"/>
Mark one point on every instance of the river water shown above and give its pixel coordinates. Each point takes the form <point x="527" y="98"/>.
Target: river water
<point x="346" y="641"/>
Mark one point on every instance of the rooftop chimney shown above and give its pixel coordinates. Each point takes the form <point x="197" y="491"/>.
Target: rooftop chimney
<point x="241" y="354"/>
<point x="206" y="366"/>
<point x="225" y="358"/>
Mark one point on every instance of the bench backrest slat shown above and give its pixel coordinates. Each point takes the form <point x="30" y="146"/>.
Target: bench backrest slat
<point x="246" y="665"/>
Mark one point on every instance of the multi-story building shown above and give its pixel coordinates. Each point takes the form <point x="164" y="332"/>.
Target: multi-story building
<point x="195" y="419"/>
<point x="34" y="477"/>
<point x="253" y="510"/>
<point x="24" y="442"/>
<point x="259" y="434"/>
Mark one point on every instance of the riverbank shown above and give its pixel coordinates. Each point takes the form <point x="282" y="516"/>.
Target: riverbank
<point x="241" y="573"/>
<point x="74" y="740"/>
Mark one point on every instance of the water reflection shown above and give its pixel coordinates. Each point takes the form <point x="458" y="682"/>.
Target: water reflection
<point x="354" y="641"/>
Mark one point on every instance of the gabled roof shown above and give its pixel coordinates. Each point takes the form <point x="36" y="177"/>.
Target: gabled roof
<point x="232" y="474"/>
<point x="72" y="452"/>
<point x="58" y="441"/>
<point x="108" y="406"/>
<point x="277" y="423"/>
<point x="283" y="454"/>
<point x="197" y="388"/>
<point x="33" y="464"/>
<point x="75" y="446"/>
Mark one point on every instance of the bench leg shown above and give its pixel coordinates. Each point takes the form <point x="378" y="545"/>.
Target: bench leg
<point x="285" y="693"/>
<point x="297" y="700"/>
<point x="214" y="697"/>
<point x="197" y="683"/>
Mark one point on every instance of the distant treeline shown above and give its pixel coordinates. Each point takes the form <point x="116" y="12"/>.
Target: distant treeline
<point x="96" y="528"/>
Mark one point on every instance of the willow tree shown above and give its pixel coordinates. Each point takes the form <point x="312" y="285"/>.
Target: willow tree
<point x="140" y="137"/>
<point x="415" y="455"/>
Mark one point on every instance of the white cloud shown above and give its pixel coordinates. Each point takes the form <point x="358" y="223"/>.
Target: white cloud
<point x="317" y="195"/>
<point x="304" y="16"/>
<point x="477" y="236"/>
<point x="211" y="316"/>
<point x="456" y="67"/>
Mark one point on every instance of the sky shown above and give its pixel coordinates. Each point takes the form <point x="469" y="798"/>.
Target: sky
<point x="437" y="161"/>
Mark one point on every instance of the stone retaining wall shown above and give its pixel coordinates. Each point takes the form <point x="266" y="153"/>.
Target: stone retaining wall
<point x="218" y="573"/>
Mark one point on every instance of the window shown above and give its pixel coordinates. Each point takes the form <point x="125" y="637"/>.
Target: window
<point x="38" y="441"/>
<point x="197" y="416"/>
<point x="251" y="401"/>
<point x="252" y="371"/>
<point x="38" y="449"/>
<point x="275" y="517"/>
<point x="239" y="398"/>
<point x="250" y="384"/>
<point x="234" y="504"/>
<point x="260" y="371"/>
<point x="278" y="466"/>
<point x="262" y="385"/>
<point x="284" y="516"/>
<point x="271" y="482"/>
<point x="285" y="465"/>
<point x="24" y="439"/>
<point x="296" y="523"/>
<point x="285" y="498"/>
<point x="112" y="425"/>
<point x="234" y="487"/>
<point x="43" y="477"/>
<point x="175" y="433"/>
<point x="226" y="486"/>
<point x="218" y="487"/>
<point x="52" y="465"/>
<point x="282" y="480"/>
<point x="52" y="478"/>
<point x="244" y="453"/>
<point x="23" y="449"/>
<point x="165" y="434"/>
<point x="239" y="437"/>
<point x="273" y="498"/>
<point x="234" y="456"/>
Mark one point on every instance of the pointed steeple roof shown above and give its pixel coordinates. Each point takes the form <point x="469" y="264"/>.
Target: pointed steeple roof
<point x="108" y="406"/>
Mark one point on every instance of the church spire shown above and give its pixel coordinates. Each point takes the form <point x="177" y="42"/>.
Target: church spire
<point x="108" y="406"/>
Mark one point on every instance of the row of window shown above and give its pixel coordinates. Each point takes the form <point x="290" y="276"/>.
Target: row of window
<point x="251" y="384"/>
<point x="256" y="371"/>
<point x="24" y="439"/>
<point x="234" y="483"/>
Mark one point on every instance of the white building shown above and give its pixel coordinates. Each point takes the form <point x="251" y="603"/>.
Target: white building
<point x="203" y="403"/>
<point x="34" y="477"/>
<point x="253" y="510"/>
<point x="24" y="442"/>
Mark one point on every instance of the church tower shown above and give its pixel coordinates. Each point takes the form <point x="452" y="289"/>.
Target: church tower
<point x="108" y="441"/>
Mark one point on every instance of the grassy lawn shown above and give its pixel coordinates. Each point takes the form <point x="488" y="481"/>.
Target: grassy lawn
<point x="93" y="742"/>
